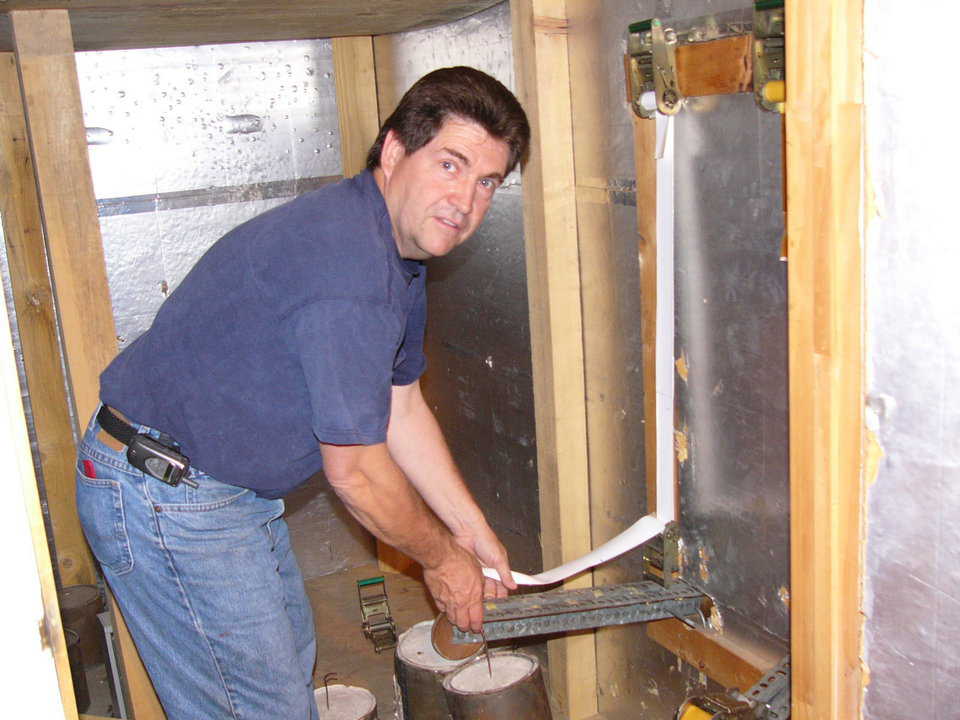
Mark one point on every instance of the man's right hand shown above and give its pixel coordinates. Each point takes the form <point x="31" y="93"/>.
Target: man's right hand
<point x="456" y="584"/>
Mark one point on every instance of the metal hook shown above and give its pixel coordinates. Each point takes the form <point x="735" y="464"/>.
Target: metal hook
<point x="326" y="691"/>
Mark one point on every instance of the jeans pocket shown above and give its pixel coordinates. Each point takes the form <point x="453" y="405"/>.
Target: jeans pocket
<point x="100" y="506"/>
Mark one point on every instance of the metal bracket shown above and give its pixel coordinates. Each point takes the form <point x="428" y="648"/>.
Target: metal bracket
<point x="769" y="48"/>
<point x="567" y="610"/>
<point x="768" y="699"/>
<point x="378" y="625"/>
<point x="661" y="556"/>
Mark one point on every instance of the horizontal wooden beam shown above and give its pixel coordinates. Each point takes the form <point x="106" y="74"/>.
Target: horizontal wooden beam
<point x="717" y="67"/>
<point x="117" y="24"/>
<point x="722" y="660"/>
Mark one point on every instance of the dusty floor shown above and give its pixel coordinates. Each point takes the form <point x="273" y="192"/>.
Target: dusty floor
<point x="342" y="647"/>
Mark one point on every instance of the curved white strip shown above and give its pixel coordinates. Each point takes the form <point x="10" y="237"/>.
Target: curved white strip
<point x="638" y="533"/>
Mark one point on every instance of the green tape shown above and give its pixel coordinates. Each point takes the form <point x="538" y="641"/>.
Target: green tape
<point x="370" y="581"/>
<point x="767" y="4"/>
<point x="639" y="27"/>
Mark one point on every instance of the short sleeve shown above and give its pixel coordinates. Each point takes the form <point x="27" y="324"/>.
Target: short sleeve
<point x="347" y="349"/>
<point x="411" y="362"/>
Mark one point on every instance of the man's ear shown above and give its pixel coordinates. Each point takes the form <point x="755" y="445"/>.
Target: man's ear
<point x="391" y="153"/>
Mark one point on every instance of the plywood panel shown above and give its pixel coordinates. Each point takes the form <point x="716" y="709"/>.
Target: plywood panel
<point x="105" y="24"/>
<point x="717" y="67"/>
<point x="553" y="281"/>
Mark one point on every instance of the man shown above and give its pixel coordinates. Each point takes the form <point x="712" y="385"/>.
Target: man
<point x="295" y="344"/>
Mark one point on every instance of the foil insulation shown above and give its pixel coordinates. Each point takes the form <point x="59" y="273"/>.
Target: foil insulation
<point x="186" y="143"/>
<point x="911" y="601"/>
<point x="479" y="379"/>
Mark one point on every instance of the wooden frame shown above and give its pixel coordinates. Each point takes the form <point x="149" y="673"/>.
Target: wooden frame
<point x="53" y="120"/>
<point x="824" y="190"/>
<point x="553" y="285"/>
<point x="825" y="271"/>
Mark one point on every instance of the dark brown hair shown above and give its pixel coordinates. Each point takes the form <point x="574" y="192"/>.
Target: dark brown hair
<point x="462" y="92"/>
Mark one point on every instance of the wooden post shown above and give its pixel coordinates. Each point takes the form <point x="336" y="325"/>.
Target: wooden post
<point x="355" y="74"/>
<point x="354" y="71"/>
<point x="553" y="282"/>
<point x="825" y="193"/>
<point x="58" y="148"/>
<point x="36" y="317"/>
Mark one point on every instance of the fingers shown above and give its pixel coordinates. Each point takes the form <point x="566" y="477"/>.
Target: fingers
<point x="505" y="573"/>
<point x="458" y="588"/>
<point x="493" y="589"/>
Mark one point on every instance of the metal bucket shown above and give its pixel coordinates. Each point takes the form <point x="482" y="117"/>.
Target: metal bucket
<point x="345" y="702"/>
<point x="74" y="654"/>
<point x="419" y="671"/>
<point x="79" y="605"/>
<point x="512" y="687"/>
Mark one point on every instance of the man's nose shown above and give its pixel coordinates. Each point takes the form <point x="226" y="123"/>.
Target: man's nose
<point x="462" y="196"/>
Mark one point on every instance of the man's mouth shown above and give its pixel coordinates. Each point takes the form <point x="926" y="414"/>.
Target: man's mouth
<point x="447" y="222"/>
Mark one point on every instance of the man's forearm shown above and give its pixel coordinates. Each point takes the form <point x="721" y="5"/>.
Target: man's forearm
<point x="417" y="444"/>
<point x="376" y="492"/>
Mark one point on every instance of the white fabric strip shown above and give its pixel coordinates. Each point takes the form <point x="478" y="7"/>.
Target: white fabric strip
<point x="648" y="526"/>
<point x="666" y="500"/>
<point x="638" y="533"/>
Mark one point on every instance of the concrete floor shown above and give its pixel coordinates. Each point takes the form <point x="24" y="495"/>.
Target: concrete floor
<point x="341" y="645"/>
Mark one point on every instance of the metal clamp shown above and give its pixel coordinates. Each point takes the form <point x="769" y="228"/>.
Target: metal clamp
<point x="378" y="625"/>
<point x="669" y="99"/>
<point x="769" y="55"/>
<point x="652" y="66"/>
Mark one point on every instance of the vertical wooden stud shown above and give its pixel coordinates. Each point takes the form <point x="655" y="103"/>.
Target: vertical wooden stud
<point x="57" y="137"/>
<point x="824" y="117"/>
<point x="355" y="76"/>
<point x="644" y="148"/>
<point x="51" y="92"/>
<point x="354" y="70"/>
<point x="36" y="315"/>
<point x="553" y="282"/>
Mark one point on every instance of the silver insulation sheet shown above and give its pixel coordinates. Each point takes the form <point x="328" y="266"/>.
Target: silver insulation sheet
<point x="732" y="433"/>
<point x="186" y="143"/>
<point x="911" y="597"/>
<point x="479" y="379"/>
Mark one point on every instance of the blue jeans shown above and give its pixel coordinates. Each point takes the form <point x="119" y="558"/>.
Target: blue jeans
<point x="208" y="585"/>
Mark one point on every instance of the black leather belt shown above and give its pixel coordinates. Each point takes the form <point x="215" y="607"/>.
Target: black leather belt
<point x="114" y="426"/>
<point x="153" y="456"/>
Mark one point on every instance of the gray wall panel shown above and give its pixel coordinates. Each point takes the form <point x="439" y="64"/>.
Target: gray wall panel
<point x="731" y="328"/>
<point x="479" y="379"/>
<point x="188" y="143"/>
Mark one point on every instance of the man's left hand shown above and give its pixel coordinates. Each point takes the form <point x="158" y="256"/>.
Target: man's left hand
<point x="490" y="552"/>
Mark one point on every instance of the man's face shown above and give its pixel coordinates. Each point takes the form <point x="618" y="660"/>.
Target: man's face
<point x="438" y="195"/>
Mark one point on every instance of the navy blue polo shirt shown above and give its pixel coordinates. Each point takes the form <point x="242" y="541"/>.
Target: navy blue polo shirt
<point x="290" y="330"/>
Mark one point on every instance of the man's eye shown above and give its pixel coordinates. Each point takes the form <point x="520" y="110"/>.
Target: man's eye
<point x="446" y="165"/>
<point x="488" y="184"/>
